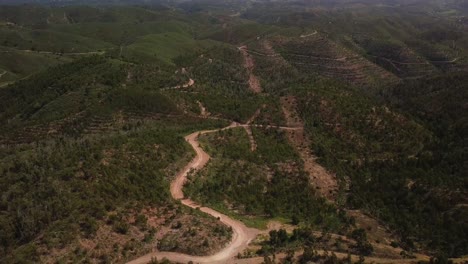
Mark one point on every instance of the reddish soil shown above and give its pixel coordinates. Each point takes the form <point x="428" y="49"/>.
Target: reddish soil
<point x="242" y="235"/>
<point x="324" y="181"/>
<point x="253" y="144"/>
<point x="203" y="111"/>
<point x="249" y="64"/>
<point x="108" y="245"/>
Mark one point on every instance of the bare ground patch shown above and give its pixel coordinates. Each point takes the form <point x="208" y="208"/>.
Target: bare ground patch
<point x="120" y="237"/>
<point x="379" y="236"/>
<point x="376" y="232"/>
<point x="194" y="235"/>
<point x="324" y="181"/>
<point x="249" y="64"/>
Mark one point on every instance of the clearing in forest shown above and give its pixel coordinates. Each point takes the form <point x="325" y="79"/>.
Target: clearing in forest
<point x="324" y="181"/>
<point x="249" y="64"/>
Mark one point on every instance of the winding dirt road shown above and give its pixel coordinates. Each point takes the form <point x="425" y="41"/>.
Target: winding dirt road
<point x="241" y="234"/>
<point x="189" y="83"/>
<point x="309" y="35"/>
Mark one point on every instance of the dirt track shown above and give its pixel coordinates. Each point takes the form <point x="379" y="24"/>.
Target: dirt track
<point x="189" y="83"/>
<point x="309" y="35"/>
<point x="325" y="182"/>
<point x="249" y="64"/>
<point x="241" y="234"/>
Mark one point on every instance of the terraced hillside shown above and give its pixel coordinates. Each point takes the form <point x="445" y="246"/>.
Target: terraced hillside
<point x="43" y="36"/>
<point x="60" y="118"/>
<point x="233" y="132"/>
<point x="406" y="43"/>
<point x="321" y="56"/>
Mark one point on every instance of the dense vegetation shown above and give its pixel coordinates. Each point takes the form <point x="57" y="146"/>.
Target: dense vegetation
<point x="66" y="186"/>
<point x="447" y="118"/>
<point x="81" y="140"/>
<point x="94" y="104"/>
<point x="264" y="183"/>
<point x="396" y="166"/>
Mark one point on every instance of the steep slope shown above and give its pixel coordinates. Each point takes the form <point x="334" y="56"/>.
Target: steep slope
<point x="74" y="137"/>
<point x="393" y="164"/>
<point x="348" y="132"/>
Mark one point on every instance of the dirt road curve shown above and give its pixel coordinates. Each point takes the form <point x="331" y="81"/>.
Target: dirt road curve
<point x="309" y="35"/>
<point x="241" y="235"/>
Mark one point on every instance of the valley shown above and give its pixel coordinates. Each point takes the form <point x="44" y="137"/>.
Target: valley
<point x="233" y="132"/>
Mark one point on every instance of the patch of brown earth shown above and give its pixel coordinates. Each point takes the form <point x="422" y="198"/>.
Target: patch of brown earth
<point x="121" y="237"/>
<point x="324" y="181"/>
<point x="194" y="235"/>
<point x="379" y="236"/>
<point x="253" y="144"/>
<point x="275" y="57"/>
<point x="248" y="129"/>
<point x="255" y="115"/>
<point x="203" y="111"/>
<point x="241" y="234"/>
<point x="249" y="64"/>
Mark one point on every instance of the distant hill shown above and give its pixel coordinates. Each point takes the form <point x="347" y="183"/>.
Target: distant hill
<point x="86" y="2"/>
<point x="348" y="129"/>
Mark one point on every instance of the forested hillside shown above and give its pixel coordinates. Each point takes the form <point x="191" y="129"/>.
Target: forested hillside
<point x="395" y="165"/>
<point x="77" y="155"/>
<point x="270" y="131"/>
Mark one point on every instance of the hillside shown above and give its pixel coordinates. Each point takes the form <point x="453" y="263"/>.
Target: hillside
<point x="235" y="131"/>
<point x="42" y="36"/>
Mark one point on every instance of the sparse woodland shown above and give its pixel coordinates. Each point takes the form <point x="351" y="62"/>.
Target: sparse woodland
<point x="95" y="103"/>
